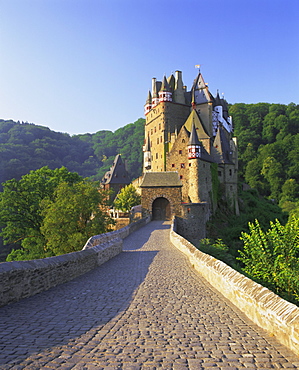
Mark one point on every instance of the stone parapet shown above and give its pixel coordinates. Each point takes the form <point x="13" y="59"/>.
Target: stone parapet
<point x="22" y="279"/>
<point x="272" y="313"/>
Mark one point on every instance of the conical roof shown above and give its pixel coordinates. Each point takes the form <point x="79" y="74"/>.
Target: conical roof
<point x="193" y="136"/>
<point x="147" y="147"/>
<point x="195" y="119"/>
<point x="165" y="85"/>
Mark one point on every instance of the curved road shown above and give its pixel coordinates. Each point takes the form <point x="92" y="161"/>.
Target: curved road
<point x="144" y="309"/>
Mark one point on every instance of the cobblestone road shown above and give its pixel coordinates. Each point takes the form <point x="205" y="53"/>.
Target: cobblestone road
<point x="144" y="309"/>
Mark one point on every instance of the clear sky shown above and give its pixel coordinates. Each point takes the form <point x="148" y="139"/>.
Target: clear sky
<point x="82" y="66"/>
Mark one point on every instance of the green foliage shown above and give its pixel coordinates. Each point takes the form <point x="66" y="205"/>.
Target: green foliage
<point x="39" y="210"/>
<point x="268" y="144"/>
<point x="25" y="147"/>
<point x="218" y="250"/>
<point x="126" y="141"/>
<point x="76" y="213"/>
<point x="272" y="257"/>
<point x="127" y="198"/>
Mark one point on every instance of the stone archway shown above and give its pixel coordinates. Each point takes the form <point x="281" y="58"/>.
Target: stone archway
<point x="161" y="209"/>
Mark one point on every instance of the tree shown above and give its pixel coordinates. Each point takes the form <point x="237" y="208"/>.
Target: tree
<point x="127" y="198"/>
<point x="50" y="212"/>
<point x="20" y="201"/>
<point x="77" y="212"/>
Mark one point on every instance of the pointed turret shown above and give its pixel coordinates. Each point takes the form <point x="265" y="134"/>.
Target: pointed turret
<point x="165" y="93"/>
<point x="148" y="104"/>
<point x="194" y="146"/>
<point x="155" y="97"/>
<point x="147" y="157"/>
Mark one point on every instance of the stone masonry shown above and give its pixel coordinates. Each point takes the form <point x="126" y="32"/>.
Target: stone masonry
<point x="147" y="308"/>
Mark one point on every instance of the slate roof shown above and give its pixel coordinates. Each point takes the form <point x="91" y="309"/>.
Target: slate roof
<point x="117" y="173"/>
<point x="161" y="179"/>
<point x="222" y="146"/>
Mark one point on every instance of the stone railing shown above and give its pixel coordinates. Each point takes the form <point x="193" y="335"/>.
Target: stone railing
<point x="272" y="313"/>
<point x="21" y="279"/>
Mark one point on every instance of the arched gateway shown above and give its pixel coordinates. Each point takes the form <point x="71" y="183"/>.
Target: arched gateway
<point x="161" y="209"/>
<point x="161" y="195"/>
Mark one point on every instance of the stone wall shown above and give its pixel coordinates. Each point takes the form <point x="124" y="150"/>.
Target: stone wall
<point x="172" y="194"/>
<point x="272" y="313"/>
<point x="192" y="223"/>
<point x="21" y="279"/>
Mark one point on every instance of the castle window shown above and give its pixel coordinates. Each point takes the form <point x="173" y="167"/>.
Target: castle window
<point x="230" y="172"/>
<point x="183" y="140"/>
<point x="159" y="126"/>
<point x="189" y="164"/>
<point x="161" y="139"/>
<point x="172" y="165"/>
<point x="156" y="155"/>
<point x="182" y="165"/>
<point x="181" y="176"/>
<point x="157" y="140"/>
<point x="180" y="152"/>
<point x="155" y="129"/>
<point x="219" y="173"/>
<point x="151" y="131"/>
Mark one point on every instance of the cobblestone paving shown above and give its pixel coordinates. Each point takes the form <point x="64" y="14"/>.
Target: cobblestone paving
<point x="144" y="309"/>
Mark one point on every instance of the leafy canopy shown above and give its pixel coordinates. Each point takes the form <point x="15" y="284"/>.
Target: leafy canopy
<point x="49" y="212"/>
<point x="127" y="198"/>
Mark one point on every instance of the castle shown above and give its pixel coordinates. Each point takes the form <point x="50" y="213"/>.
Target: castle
<point x="190" y="154"/>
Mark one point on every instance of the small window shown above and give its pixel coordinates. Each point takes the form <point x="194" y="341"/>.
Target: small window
<point x="183" y="140"/>
<point x="189" y="164"/>
<point x="180" y="151"/>
<point x="219" y="173"/>
<point x="181" y="176"/>
<point x="182" y="165"/>
<point x="230" y="172"/>
<point x="172" y="165"/>
<point x="157" y="155"/>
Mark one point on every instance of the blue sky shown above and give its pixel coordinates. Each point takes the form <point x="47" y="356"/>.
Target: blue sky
<point x="82" y="66"/>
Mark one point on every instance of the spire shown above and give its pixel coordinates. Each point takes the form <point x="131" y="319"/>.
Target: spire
<point x="193" y="137"/>
<point x="165" y="93"/>
<point x="147" y="147"/>
<point x="148" y="103"/>
<point x="217" y="100"/>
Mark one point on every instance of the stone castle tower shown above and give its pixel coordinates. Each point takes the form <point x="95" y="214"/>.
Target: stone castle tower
<point x="191" y="134"/>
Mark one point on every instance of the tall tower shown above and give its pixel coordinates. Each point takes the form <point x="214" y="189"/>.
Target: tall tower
<point x="194" y="154"/>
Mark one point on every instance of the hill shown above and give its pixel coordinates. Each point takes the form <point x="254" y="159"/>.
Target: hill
<point x="25" y="147"/>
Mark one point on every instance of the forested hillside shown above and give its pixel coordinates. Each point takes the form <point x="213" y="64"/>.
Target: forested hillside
<point x="25" y="147"/>
<point x="268" y="142"/>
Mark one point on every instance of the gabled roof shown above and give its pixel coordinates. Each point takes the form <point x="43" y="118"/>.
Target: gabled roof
<point x="222" y="149"/>
<point x="117" y="173"/>
<point x="195" y="119"/>
<point x="161" y="179"/>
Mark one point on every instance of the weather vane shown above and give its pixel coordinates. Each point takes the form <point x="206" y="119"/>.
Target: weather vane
<point x="198" y="67"/>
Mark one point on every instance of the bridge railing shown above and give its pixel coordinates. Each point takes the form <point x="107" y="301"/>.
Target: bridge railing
<point x="21" y="279"/>
<point x="266" y="309"/>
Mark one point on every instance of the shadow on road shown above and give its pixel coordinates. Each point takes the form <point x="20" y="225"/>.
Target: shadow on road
<point x="72" y="313"/>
